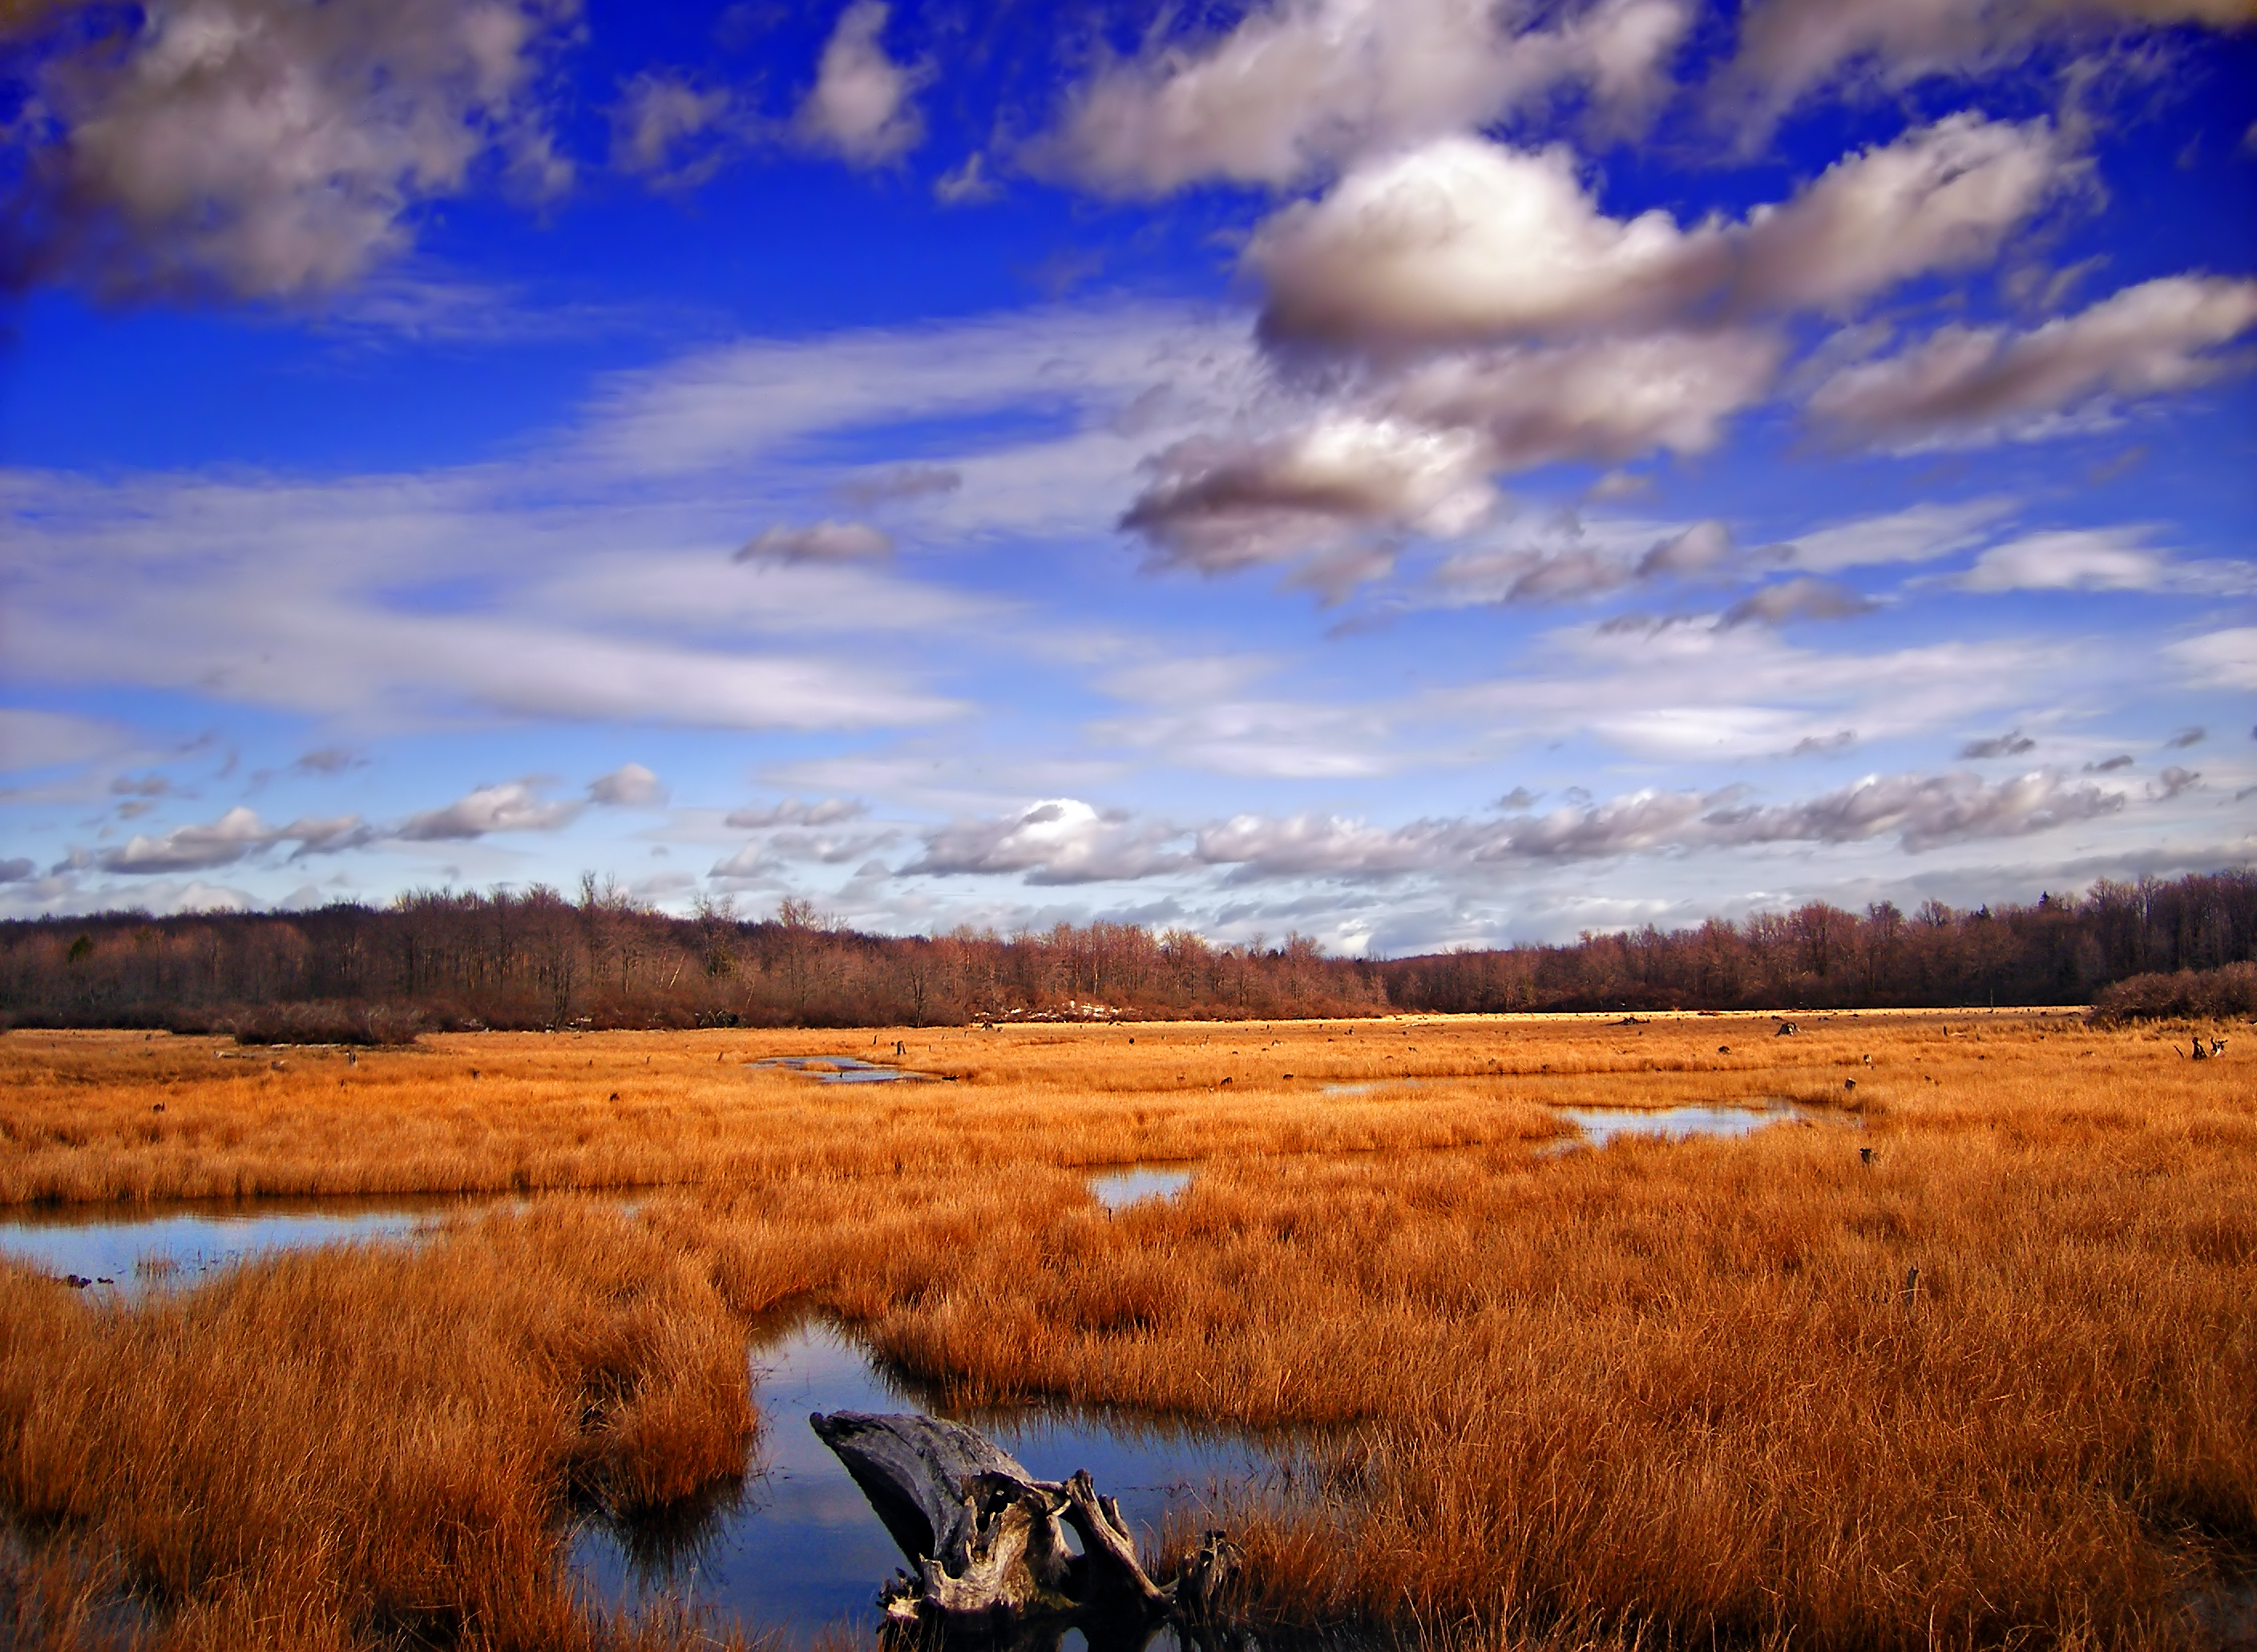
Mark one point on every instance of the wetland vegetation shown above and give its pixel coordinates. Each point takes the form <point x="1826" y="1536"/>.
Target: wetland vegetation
<point x="1958" y="1352"/>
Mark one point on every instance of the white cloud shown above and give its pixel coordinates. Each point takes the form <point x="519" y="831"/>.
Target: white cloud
<point x="1066" y="841"/>
<point x="274" y="592"/>
<point x="826" y="542"/>
<point x="792" y="812"/>
<point x="1702" y="548"/>
<point x="1301" y="85"/>
<point x="860" y="105"/>
<point x="1217" y="504"/>
<point x="2227" y="658"/>
<point x="273" y="149"/>
<point x="1803" y="597"/>
<point x="235" y="836"/>
<point x="668" y="130"/>
<point x="1918" y="533"/>
<point x="630" y="786"/>
<point x="1966" y="386"/>
<point x="1924" y="811"/>
<point x="1062" y="840"/>
<point x="2013" y="744"/>
<point x="1465" y="241"/>
<point x="2102" y="559"/>
<point x="516" y="807"/>
<point x="51" y="740"/>
<point x="1788" y="47"/>
<point x="1942" y="197"/>
<point x="1598" y="399"/>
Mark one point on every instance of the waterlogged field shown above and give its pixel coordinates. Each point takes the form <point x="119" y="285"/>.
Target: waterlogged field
<point x="1957" y="1347"/>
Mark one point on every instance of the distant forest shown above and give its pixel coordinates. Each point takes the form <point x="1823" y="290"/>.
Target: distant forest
<point x="540" y="958"/>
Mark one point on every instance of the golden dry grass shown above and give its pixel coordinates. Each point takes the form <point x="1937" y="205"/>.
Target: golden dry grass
<point x="1658" y="1391"/>
<point x="369" y="1444"/>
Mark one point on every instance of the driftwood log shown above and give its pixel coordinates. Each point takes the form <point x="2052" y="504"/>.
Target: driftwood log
<point x="986" y="1544"/>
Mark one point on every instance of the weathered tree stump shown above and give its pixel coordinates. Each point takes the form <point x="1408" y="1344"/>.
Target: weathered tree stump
<point x="987" y="1545"/>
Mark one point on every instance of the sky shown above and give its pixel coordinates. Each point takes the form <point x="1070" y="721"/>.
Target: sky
<point x="1411" y="473"/>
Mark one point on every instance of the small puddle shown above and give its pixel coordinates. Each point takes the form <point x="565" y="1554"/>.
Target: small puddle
<point x="1133" y="1184"/>
<point x="1601" y="1124"/>
<point x="841" y="1069"/>
<point x="129" y="1250"/>
<point x="797" y="1549"/>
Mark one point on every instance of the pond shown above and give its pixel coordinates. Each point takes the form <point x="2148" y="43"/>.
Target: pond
<point x="1118" y="1188"/>
<point x="842" y="1069"/>
<point x="1601" y="1124"/>
<point x="797" y="1549"/>
<point x="126" y="1250"/>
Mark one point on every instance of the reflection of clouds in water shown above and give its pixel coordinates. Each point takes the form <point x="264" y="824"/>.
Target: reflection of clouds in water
<point x="180" y="1244"/>
<point x="1601" y="1124"/>
<point x="803" y="1549"/>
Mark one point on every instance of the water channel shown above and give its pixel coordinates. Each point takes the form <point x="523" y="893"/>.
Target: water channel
<point x="797" y="1547"/>
<point x="125" y="1250"/>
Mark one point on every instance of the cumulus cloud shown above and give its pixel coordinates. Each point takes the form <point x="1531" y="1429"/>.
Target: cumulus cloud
<point x="1060" y="841"/>
<point x="2108" y="765"/>
<point x="1788" y="47"/>
<point x="630" y="786"/>
<point x="269" y="148"/>
<point x="1969" y="386"/>
<point x="669" y="132"/>
<point x="860" y="106"/>
<point x="514" y="807"/>
<point x="235" y="836"/>
<point x="1298" y="86"/>
<point x="1942" y="197"/>
<point x="1463" y="241"/>
<point x="1799" y="599"/>
<point x="1600" y="398"/>
<point x="1219" y="503"/>
<point x="826" y="542"/>
<point x="1466" y="241"/>
<point x="2189" y="736"/>
<point x="16" y="870"/>
<point x="793" y="812"/>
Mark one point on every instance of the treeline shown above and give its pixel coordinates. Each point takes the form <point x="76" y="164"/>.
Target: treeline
<point x="539" y="959"/>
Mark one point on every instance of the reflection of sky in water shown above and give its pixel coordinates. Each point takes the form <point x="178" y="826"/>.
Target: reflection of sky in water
<point x="850" y="1069"/>
<point x="196" y="1239"/>
<point x="801" y="1548"/>
<point x="1601" y="1124"/>
<point x="1117" y="1188"/>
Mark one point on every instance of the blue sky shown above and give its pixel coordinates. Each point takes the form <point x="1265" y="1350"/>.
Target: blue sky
<point x="1417" y="473"/>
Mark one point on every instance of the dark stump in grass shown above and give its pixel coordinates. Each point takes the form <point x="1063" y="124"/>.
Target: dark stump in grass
<point x="986" y="1543"/>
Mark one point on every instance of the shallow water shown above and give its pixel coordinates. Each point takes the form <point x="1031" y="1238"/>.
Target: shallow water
<point x="798" y="1548"/>
<point x="1601" y="1124"/>
<point x="850" y="1069"/>
<point x="128" y="1250"/>
<point x="1133" y="1184"/>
